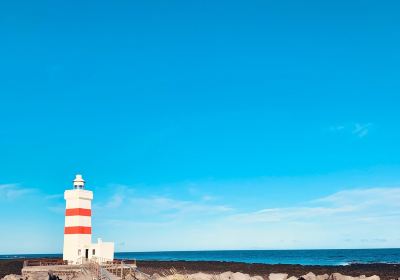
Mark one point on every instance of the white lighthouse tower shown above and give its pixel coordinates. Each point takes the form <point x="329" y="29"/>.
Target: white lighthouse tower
<point x="78" y="247"/>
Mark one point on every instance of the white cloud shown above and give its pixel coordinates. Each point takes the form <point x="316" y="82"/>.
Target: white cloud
<point x="156" y="208"/>
<point x="353" y="218"/>
<point x="115" y="201"/>
<point x="291" y="214"/>
<point x="366" y="197"/>
<point x="208" y="198"/>
<point x="160" y="204"/>
<point x="13" y="191"/>
<point x="54" y="196"/>
<point x="337" y="128"/>
<point x="362" y="205"/>
<point x="59" y="209"/>
<point x="361" y="130"/>
<point x="358" y="129"/>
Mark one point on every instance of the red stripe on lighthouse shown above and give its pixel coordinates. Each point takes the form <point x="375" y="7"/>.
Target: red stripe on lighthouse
<point x="77" y="230"/>
<point x="78" y="212"/>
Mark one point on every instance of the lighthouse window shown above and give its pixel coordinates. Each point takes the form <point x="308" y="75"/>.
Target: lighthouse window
<point x="93" y="252"/>
<point x="79" y="252"/>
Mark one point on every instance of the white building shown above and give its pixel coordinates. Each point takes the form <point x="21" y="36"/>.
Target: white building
<point x="78" y="246"/>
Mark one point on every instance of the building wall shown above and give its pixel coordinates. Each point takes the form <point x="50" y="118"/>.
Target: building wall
<point x="106" y="250"/>
<point x="103" y="251"/>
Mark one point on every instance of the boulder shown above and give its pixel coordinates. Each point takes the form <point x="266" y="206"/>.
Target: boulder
<point x="323" y="277"/>
<point x="292" y="278"/>
<point x="338" y="276"/>
<point x="309" y="276"/>
<point x="260" y="278"/>
<point x="240" y="276"/>
<point x="201" y="276"/>
<point x="12" y="277"/>
<point x="177" y="276"/>
<point x="278" y="276"/>
<point x="228" y="275"/>
<point x="373" y="277"/>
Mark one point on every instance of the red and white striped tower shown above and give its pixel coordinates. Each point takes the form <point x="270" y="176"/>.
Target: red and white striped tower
<point x="78" y="225"/>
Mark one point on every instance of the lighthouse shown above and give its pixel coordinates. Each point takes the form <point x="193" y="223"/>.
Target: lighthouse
<point x="78" y="246"/>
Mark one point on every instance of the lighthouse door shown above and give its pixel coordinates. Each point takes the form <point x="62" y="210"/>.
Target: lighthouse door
<point x="87" y="253"/>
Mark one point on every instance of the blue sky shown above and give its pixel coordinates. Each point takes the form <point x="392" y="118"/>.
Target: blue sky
<point x="201" y="124"/>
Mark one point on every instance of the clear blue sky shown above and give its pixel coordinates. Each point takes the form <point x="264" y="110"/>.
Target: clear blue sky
<point x="202" y="124"/>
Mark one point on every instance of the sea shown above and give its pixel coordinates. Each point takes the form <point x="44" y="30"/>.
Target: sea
<point x="303" y="257"/>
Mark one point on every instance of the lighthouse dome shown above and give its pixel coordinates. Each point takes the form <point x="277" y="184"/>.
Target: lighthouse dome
<point x="79" y="183"/>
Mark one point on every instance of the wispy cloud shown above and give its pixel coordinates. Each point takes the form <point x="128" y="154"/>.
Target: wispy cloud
<point x="350" y="205"/>
<point x="361" y="130"/>
<point x="358" y="217"/>
<point x="357" y="129"/>
<point x="174" y="207"/>
<point x="115" y="201"/>
<point x="337" y="128"/>
<point x="54" y="196"/>
<point x="13" y="191"/>
<point x="157" y="207"/>
<point x="58" y="209"/>
<point x="291" y="214"/>
<point x="365" y="197"/>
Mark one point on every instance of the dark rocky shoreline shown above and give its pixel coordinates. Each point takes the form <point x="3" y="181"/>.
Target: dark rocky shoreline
<point x="385" y="271"/>
<point x="10" y="267"/>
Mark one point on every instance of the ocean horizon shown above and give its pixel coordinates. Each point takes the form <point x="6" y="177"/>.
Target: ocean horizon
<point x="297" y="256"/>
